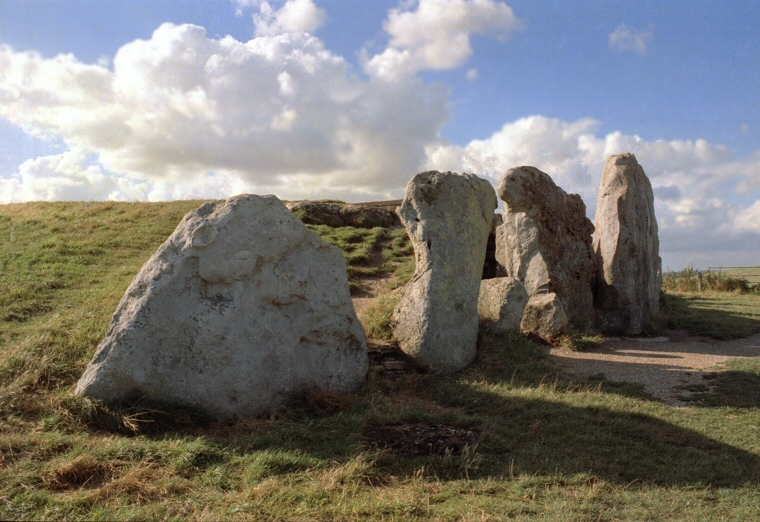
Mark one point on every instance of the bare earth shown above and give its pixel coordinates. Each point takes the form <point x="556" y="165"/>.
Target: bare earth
<point x="371" y="289"/>
<point x="660" y="364"/>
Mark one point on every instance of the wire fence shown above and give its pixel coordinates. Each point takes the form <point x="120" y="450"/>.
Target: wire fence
<point x="751" y="274"/>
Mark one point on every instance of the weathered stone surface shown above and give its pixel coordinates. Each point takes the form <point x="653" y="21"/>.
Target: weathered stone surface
<point x="627" y="247"/>
<point x="448" y="218"/>
<point x="341" y="215"/>
<point x="369" y="217"/>
<point x="317" y="212"/>
<point x="544" y="316"/>
<point x="502" y="303"/>
<point x="545" y="241"/>
<point x="239" y="309"/>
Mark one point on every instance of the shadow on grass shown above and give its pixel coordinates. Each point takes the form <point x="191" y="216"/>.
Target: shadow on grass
<point x="537" y="437"/>
<point x="706" y="315"/>
<point x="529" y="420"/>
<point x="737" y="387"/>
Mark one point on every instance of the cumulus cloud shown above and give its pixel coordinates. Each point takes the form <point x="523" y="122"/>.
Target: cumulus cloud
<point x="242" y="5"/>
<point x="697" y="184"/>
<point x="281" y="113"/>
<point x="749" y="218"/>
<point x="295" y="16"/>
<point x="74" y="176"/>
<point x="624" y="38"/>
<point x="181" y="115"/>
<point x="436" y="35"/>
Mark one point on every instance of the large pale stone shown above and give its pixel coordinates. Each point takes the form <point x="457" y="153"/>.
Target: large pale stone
<point x="448" y="218"/>
<point x="544" y="316"/>
<point x="502" y="302"/>
<point x="629" y="273"/>
<point x="241" y="308"/>
<point x="545" y="241"/>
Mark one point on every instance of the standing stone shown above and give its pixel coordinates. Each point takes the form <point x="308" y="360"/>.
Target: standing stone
<point x="317" y="212"/>
<point x="240" y="309"/>
<point x="545" y="241"/>
<point x="544" y="316"/>
<point x="629" y="273"/>
<point x="502" y="303"/>
<point x="448" y="218"/>
<point x="362" y="216"/>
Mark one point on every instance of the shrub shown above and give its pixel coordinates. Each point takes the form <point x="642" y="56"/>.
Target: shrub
<point x="687" y="280"/>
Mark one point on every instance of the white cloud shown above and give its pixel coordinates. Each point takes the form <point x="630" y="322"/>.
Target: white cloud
<point x="280" y="113"/>
<point x="472" y="75"/>
<point x="184" y="116"/>
<point x="242" y="5"/>
<point x="698" y="185"/>
<point x="624" y="38"/>
<point x="749" y="218"/>
<point x="64" y="177"/>
<point x="436" y="35"/>
<point x="296" y="16"/>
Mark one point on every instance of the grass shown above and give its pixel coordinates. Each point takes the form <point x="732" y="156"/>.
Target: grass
<point x="378" y="317"/>
<point x="547" y="447"/>
<point x="372" y="252"/>
<point x="718" y="315"/>
<point x="736" y="387"/>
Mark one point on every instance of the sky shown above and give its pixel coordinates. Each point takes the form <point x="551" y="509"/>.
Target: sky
<point x="152" y="100"/>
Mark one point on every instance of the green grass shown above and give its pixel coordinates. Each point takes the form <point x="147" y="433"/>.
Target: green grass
<point x="719" y="315"/>
<point x="372" y="252"/>
<point x="549" y="447"/>
<point x="736" y="387"/>
<point x="378" y="318"/>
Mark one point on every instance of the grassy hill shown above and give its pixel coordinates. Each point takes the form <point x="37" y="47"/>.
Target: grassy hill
<point x="510" y="438"/>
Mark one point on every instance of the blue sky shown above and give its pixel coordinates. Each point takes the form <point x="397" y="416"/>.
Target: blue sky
<point x="342" y="98"/>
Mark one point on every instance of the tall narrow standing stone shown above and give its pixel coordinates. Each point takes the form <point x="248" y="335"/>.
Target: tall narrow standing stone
<point x="629" y="273"/>
<point x="448" y="218"/>
<point x="546" y="242"/>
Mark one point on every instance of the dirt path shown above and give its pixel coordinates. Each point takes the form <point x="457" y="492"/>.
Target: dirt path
<point x="371" y="288"/>
<point x="660" y="364"/>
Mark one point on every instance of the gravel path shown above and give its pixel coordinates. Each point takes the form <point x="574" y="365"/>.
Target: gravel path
<point x="660" y="364"/>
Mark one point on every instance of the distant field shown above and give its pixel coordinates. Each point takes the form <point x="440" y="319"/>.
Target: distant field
<point x="750" y="273"/>
<point x="525" y="440"/>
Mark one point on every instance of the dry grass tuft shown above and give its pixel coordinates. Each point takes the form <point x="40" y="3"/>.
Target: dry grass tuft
<point x="145" y="484"/>
<point x="320" y="403"/>
<point x="132" y="419"/>
<point x="84" y="471"/>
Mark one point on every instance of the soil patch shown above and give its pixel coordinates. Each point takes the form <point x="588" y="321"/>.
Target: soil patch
<point x="420" y="438"/>
<point x="388" y="360"/>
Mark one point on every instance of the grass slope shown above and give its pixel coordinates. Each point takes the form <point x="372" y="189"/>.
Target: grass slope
<point x="545" y="447"/>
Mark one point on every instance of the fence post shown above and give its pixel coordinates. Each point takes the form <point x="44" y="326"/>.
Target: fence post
<point x="699" y="282"/>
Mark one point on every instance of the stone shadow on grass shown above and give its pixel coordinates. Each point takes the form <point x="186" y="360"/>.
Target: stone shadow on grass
<point x="539" y="437"/>
<point x="734" y="389"/>
<point x="522" y="433"/>
<point x="681" y="312"/>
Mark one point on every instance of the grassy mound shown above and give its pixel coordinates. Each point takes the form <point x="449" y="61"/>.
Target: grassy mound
<point x="511" y="437"/>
